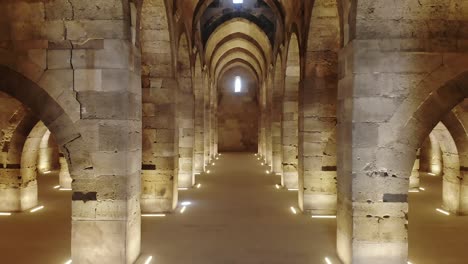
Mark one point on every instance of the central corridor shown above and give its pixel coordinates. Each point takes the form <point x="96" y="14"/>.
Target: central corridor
<point x="237" y="216"/>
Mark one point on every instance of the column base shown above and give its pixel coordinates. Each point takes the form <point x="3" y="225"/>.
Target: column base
<point x="320" y="204"/>
<point x="18" y="199"/>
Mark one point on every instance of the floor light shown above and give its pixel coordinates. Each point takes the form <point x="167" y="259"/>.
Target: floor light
<point x="324" y="216"/>
<point x="442" y="211"/>
<point x="35" y="209"/>
<point x="277" y="186"/>
<point x="183" y="189"/>
<point x="186" y="203"/>
<point x="56" y="186"/>
<point x="65" y="189"/>
<point x="68" y="261"/>
<point x="198" y="186"/>
<point x="5" y="214"/>
<point x="183" y="209"/>
<point x="148" y="260"/>
<point x="293" y="210"/>
<point x="293" y="190"/>
<point x="422" y="189"/>
<point x="153" y="215"/>
<point x="328" y="261"/>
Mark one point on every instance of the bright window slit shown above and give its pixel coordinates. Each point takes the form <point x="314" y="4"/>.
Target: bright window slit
<point x="238" y="84"/>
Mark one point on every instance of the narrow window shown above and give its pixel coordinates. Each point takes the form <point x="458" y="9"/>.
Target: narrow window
<point x="237" y="1"/>
<point x="238" y="85"/>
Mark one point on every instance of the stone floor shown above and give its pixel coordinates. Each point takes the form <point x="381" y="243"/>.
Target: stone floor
<point x="236" y="217"/>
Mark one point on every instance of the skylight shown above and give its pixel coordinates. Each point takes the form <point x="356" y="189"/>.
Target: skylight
<point x="237" y="1"/>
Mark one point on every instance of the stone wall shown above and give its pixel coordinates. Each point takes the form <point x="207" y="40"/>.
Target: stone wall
<point x="238" y="115"/>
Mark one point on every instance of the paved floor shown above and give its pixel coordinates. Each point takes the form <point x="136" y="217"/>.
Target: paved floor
<point x="239" y="217"/>
<point x="236" y="217"/>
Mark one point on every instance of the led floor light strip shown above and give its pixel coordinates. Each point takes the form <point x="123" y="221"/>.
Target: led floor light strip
<point x="293" y="210"/>
<point x="148" y="260"/>
<point x="183" y="209"/>
<point x="442" y="211"/>
<point x="153" y="215"/>
<point x="328" y="261"/>
<point x="35" y="209"/>
<point x="5" y="214"/>
<point x="324" y="216"/>
<point x="277" y="186"/>
<point x="56" y="186"/>
<point x="198" y="186"/>
<point x="68" y="261"/>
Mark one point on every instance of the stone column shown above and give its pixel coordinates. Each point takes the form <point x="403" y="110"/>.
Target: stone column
<point x="414" y="177"/>
<point x="276" y="136"/>
<point x="199" y="144"/>
<point x="18" y="168"/>
<point x="48" y="158"/>
<point x="186" y="137"/>
<point x="207" y="124"/>
<point x="65" y="179"/>
<point x="290" y="138"/>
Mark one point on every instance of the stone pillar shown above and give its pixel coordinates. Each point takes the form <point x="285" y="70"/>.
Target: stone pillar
<point x="414" y="177"/>
<point x="65" y="179"/>
<point x="199" y="139"/>
<point x="18" y="171"/>
<point x="290" y="138"/>
<point x="373" y="166"/>
<point x="160" y="131"/>
<point x="207" y="124"/>
<point x="276" y="136"/>
<point x="160" y="151"/>
<point x="48" y="158"/>
<point x="186" y="138"/>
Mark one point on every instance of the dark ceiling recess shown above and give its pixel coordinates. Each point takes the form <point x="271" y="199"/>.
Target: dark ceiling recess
<point x="256" y="11"/>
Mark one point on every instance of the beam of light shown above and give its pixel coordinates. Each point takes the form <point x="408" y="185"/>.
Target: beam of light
<point x="293" y="210"/>
<point x="5" y="214"/>
<point x="198" y="186"/>
<point x="68" y="261"/>
<point x="65" y="189"/>
<point x="183" y="209"/>
<point x="186" y="203"/>
<point x="422" y="189"/>
<point x="35" y="209"/>
<point x="148" y="260"/>
<point x="324" y="216"/>
<point x="328" y="261"/>
<point x="442" y="211"/>
<point x="293" y="190"/>
<point x="56" y="186"/>
<point x="182" y="189"/>
<point x="277" y="186"/>
<point x="414" y="191"/>
<point x="153" y="215"/>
